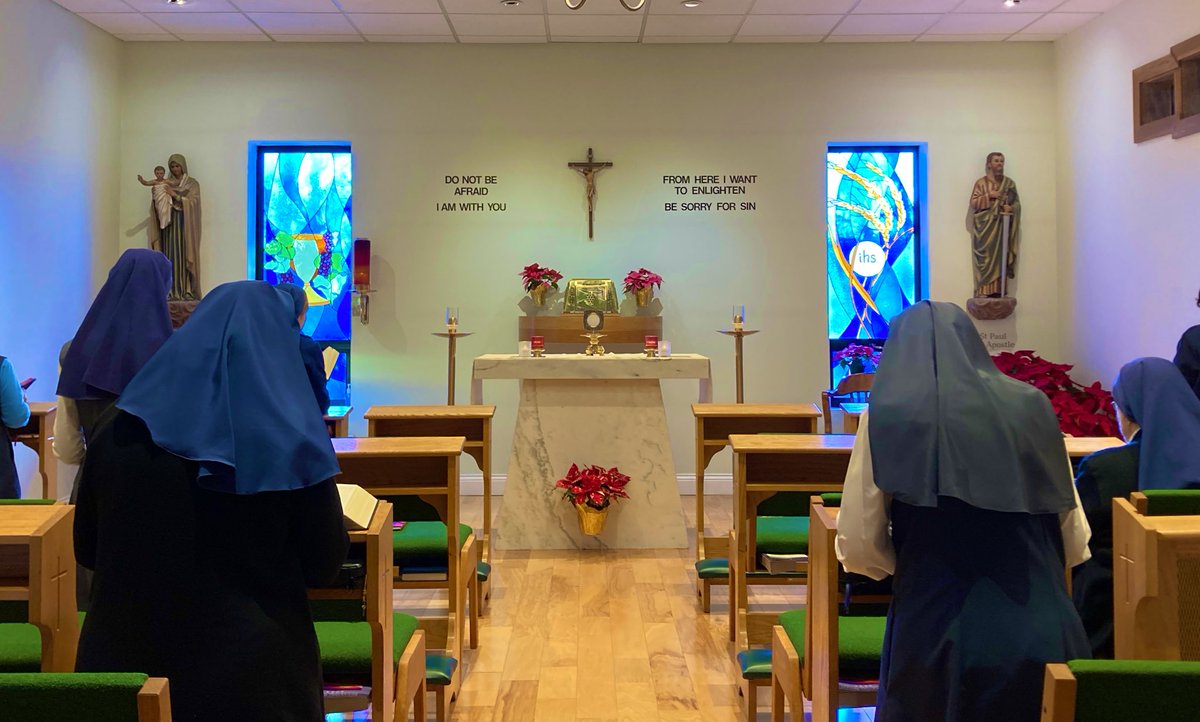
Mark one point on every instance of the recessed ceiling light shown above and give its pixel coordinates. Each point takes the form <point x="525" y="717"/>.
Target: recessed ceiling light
<point x="177" y="2"/>
<point x="510" y="3"/>
<point x="1011" y="3"/>
<point x="692" y="3"/>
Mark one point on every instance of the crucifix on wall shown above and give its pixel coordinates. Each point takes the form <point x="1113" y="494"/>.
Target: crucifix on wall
<point x="588" y="169"/>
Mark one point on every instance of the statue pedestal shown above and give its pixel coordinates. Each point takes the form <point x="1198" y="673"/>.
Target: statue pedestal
<point x="180" y="311"/>
<point x="991" y="309"/>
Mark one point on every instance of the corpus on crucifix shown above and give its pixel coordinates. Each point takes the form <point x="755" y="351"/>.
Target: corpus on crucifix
<point x="588" y="169"/>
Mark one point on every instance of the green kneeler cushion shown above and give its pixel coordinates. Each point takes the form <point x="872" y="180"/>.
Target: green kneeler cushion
<point x="782" y="535"/>
<point x="483" y="570"/>
<point x="833" y="499"/>
<point x="713" y="568"/>
<point x="755" y="663"/>
<point x="20" y="641"/>
<point x="439" y="669"/>
<point x="1172" y="502"/>
<point x="423" y="544"/>
<point x="346" y="646"/>
<point x="860" y="643"/>
<point x="1118" y="691"/>
<point x="94" y="697"/>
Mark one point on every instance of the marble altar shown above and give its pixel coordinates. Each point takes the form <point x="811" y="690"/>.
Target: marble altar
<point x="605" y="410"/>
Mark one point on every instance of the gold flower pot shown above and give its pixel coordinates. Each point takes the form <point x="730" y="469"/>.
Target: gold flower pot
<point x="538" y="295"/>
<point x="644" y="295"/>
<point x="591" y="521"/>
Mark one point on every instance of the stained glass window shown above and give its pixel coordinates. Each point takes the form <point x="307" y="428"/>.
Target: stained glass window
<point x="304" y="237"/>
<point x="873" y="254"/>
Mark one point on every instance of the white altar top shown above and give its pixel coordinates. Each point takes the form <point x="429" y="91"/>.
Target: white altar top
<point x="605" y="410"/>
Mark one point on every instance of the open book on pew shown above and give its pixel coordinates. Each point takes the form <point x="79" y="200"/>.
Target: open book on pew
<point x="784" y="563"/>
<point x="358" y="506"/>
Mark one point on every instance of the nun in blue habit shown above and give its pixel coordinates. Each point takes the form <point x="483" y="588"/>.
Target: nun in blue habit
<point x="1159" y="417"/>
<point x="206" y="507"/>
<point x="310" y="350"/>
<point x="959" y="486"/>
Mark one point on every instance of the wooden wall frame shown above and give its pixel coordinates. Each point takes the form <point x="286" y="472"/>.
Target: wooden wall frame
<point x="1187" y="87"/>
<point x="1154" y="83"/>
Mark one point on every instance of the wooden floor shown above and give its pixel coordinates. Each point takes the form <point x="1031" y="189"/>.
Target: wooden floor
<point x="580" y="636"/>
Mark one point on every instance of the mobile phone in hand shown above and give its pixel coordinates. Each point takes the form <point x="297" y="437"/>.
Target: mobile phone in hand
<point x="28" y="382"/>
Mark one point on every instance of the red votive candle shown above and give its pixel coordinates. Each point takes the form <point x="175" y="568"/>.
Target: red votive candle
<point x="362" y="262"/>
<point x="537" y="342"/>
<point x="652" y="342"/>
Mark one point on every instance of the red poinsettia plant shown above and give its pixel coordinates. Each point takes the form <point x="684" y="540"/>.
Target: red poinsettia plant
<point x="534" y="275"/>
<point x="866" y="357"/>
<point x="593" y="485"/>
<point x="641" y="278"/>
<point x="1081" y="410"/>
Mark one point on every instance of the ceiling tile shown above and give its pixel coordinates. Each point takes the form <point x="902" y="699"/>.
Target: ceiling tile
<point x="502" y="39"/>
<point x="981" y="23"/>
<point x="594" y="39"/>
<point x="1034" y="38"/>
<point x="490" y="7"/>
<point x="708" y="7"/>
<point x="95" y="6"/>
<point x="318" y="38"/>
<point x="591" y="7"/>
<point x="584" y="25"/>
<point x="870" y="38"/>
<point x="778" y="39"/>
<point x="498" y="24"/>
<point x="390" y="6"/>
<point x="1059" y="23"/>
<point x="980" y="38"/>
<point x="224" y="37"/>
<point x="802" y="7"/>
<point x="721" y="25"/>
<point x="127" y="23"/>
<point x="997" y="6"/>
<point x="303" y="23"/>
<point x="907" y="7"/>
<point x="286" y="6"/>
<point x="1087" y="6"/>
<point x="205" y="23"/>
<point x="193" y="6"/>
<point x="410" y="39"/>
<point x="885" y="24"/>
<point x="380" y="24"/>
<point x="784" y="25"/>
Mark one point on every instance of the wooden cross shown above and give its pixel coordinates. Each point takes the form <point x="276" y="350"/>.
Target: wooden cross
<point x="589" y="169"/>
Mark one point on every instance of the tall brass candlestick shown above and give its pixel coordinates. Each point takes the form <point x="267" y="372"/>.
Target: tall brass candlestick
<point x="738" y="334"/>
<point x="453" y="334"/>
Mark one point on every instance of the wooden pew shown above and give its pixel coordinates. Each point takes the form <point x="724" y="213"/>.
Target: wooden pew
<point x="38" y="435"/>
<point x="337" y="421"/>
<point x="62" y="696"/>
<point x="37" y="567"/>
<point x="1156" y="585"/>
<point x="425" y="467"/>
<point x="715" y="423"/>
<point x="1099" y="690"/>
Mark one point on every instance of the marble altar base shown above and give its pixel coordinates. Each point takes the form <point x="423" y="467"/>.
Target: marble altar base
<point x="609" y="422"/>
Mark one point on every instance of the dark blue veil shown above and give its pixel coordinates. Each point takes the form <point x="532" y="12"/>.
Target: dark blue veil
<point x="1153" y="393"/>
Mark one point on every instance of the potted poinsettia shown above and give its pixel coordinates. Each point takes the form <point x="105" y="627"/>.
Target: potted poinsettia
<point x="592" y="490"/>
<point x="537" y="280"/>
<point x="641" y="283"/>
<point x="1081" y="410"/>
<point x="858" y="358"/>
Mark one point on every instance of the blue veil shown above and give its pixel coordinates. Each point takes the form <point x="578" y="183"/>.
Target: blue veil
<point x="229" y="390"/>
<point x="125" y="326"/>
<point x="1152" y="392"/>
<point x="945" y="421"/>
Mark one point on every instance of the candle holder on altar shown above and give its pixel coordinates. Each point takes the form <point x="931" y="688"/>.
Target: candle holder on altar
<point x="594" y="348"/>
<point x="537" y="346"/>
<point x="651" y="347"/>
<point x="452" y="334"/>
<point x="739" y="331"/>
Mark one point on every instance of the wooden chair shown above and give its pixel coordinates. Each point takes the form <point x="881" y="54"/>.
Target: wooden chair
<point x="1156" y="584"/>
<point x="855" y="386"/>
<point x="1105" y="690"/>
<point x="68" y="696"/>
<point x="814" y="649"/>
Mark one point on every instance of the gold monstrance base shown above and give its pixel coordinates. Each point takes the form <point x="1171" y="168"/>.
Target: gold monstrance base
<point x="453" y="334"/>
<point x="593" y="348"/>
<point x="738" y="334"/>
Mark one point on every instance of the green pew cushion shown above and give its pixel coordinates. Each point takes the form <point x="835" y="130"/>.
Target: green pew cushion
<point x="713" y="568"/>
<point x="1135" y="690"/>
<point x="831" y="499"/>
<point x="1172" y="502"/>
<point x="860" y="642"/>
<point x="423" y="544"/>
<point x="27" y="502"/>
<point x="439" y="669"/>
<point x="20" y="647"/>
<point x="755" y="663"/>
<point x="782" y="535"/>
<point x="104" y="697"/>
<point x="785" y="503"/>
<point x="483" y="570"/>
<point x="346" y="646"/>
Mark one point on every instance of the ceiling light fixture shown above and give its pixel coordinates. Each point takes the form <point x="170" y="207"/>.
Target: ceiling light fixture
<point x="510" y="3"/>
<point x="624" y="3"/>
<point x="177" y="2"/>
<point x="1011" y="3"/>
<point x="692" y="3"/>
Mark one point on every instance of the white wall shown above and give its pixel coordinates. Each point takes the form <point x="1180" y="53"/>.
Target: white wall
<point x="417" y="113"/>
<point x="1127" y="213"/>
<point x="58" y="197"/>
